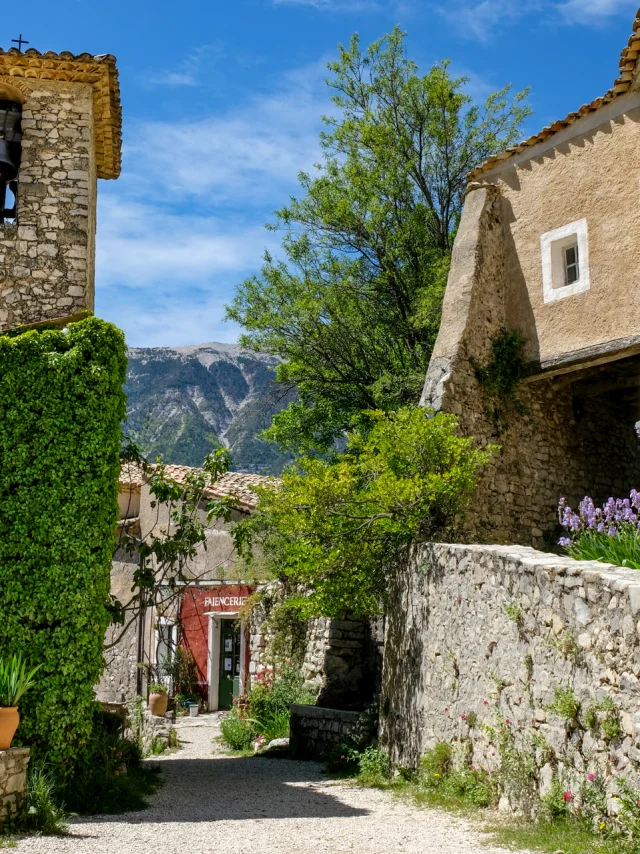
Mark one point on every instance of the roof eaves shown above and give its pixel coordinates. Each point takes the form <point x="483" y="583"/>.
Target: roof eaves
<point x="628" y="75"/>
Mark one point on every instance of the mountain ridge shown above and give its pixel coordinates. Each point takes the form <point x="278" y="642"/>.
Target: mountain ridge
<point x="183" y="402"/>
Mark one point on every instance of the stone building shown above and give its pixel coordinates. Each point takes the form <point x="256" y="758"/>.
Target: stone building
<point x="547" y="246"/>
<point x="205" y="620"/>
<point x="60" y="120"/>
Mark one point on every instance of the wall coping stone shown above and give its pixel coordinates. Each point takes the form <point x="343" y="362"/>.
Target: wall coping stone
<point x="15" y="753"/>
<point x="305" y="711"/>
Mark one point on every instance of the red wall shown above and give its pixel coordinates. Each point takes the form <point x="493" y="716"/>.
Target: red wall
<point x="196" y="603"/>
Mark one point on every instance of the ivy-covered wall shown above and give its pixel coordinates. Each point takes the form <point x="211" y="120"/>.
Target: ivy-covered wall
<point x="61" y="408"/>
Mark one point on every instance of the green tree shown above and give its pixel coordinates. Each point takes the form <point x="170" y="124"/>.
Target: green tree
<point x="354" y="309"/>
<point x="338" y="529"/>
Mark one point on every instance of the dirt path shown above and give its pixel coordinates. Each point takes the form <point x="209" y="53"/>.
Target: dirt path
<point x="215" y="803"/>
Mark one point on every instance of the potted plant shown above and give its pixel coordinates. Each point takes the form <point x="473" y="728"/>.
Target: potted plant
<point x="14" y="681"/>
<point x="158" y="699"/>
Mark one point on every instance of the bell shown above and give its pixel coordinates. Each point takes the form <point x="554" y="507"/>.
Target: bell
<point x="10" y="139"/>
<point x="8" y="168"/>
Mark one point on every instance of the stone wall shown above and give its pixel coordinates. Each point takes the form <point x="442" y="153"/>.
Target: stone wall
<point x="563" y="444"/>
<point x="47" y="259"/>
<point x="315" y="732"/>
<point x="13" y="779"/>
<point x="120" y="676"/>
<point x="341" y="660"/>
<point x="479" y="638"/>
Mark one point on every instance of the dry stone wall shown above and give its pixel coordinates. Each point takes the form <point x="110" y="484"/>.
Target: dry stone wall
<point x="47" y="257"/>
<point x="480" y="639"/>
<point x="316" y="732"/>
<point x="13" y="779"/>
<point x="341" y="659"/>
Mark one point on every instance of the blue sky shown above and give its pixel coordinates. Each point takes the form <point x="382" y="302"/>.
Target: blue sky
<point x="222" y="103"/>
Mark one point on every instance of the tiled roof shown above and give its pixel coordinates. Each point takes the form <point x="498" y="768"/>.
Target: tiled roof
<point x="628" y="68"/>
<point x="99" y="71"/>
<point x="131" y="475"/>
<point x="232" y="484"/>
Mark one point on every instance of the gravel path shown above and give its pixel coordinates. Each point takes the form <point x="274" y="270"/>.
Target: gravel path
<point x="212" y="802"/>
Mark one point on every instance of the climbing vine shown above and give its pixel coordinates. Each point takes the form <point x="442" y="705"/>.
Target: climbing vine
<point x="500" y="378"/>
<point x="61" y="407"/>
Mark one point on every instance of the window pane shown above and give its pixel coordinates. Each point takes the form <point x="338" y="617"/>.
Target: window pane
<point x="571" y="266"/>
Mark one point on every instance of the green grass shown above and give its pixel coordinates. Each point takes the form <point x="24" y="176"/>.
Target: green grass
<point x="569" y="837"/>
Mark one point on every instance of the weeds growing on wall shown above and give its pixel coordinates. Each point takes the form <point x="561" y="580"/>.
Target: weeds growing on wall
<point x="500" y="378"/>
<point x="61" y="407"/>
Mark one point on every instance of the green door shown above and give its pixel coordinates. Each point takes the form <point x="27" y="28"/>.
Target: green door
<point x="229" y="685"/>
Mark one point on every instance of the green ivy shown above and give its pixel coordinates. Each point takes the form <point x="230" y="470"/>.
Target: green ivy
<point x="61" y="407"/>
<point x="501" y="377"/>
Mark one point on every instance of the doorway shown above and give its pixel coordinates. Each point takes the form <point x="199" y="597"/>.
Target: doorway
<point x="227" y="659"/>
<point x="229" y="680"/>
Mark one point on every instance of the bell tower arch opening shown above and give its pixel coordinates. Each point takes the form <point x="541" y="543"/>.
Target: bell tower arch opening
<point x="10" y="156"/>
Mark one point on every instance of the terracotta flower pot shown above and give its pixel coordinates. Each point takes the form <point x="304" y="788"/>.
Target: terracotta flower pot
<point x="9" y="721"/>
<point x="158" y="704"/>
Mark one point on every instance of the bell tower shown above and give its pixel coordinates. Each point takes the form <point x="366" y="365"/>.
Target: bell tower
<point x="60" y="130"/>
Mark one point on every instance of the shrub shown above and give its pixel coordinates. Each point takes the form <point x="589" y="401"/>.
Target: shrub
<point x="238" y="733"/>
<point x="457" y="786"/>
<point x="267" y="710"/>
<point x="565" y="704"/>
<point x="158" y="688"/>
<point x="436" y="763"/>
<point x="61" y="408"/>
<point x="374" y="767"/>
<point x="109" y="776"/>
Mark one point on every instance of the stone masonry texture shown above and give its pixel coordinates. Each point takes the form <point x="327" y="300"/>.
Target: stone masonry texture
<point x="13" y="778"/>
<point x="341" y="659"/>
<point x="487" y="634"/>
<point x="47" y="257"/>
<point x="315" y="732"/>
<point x="560" y="445"/>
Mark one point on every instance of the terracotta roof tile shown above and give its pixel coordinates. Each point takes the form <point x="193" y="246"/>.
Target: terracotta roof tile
<point x="232" y="484"/>
<point x="131" y="475"/>
<point x="628" y="67"/>
<point x="98" y="71"/>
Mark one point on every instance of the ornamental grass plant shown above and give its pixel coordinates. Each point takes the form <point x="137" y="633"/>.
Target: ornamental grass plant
<point x="15" y="680"/>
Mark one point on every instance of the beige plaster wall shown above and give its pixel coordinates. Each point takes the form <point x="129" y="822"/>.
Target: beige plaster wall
<point x="47" y="258"/>
<point x="551" y="450"/>
<point x="590" y="172"/>
<point x="216" y="562"/>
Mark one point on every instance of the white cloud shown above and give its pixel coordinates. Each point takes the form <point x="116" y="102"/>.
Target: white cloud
<point x="184" y="224"/>
<point x="483" y="18"/>
<point x="189" y="72"/>
<point x="595" y="10"/>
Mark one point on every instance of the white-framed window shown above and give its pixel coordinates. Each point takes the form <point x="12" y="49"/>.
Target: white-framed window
<point x="565" y="261"/>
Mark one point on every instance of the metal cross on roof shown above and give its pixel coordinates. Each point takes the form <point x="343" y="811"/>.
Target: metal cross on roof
<point x="20" y="41"/>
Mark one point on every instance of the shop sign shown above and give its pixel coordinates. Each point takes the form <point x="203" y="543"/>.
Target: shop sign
<point x="224" y="601"/>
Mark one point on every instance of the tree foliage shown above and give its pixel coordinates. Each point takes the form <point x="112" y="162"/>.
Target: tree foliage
<point x="338" y="528"/>
<point x="61" y="407"/>
<point x="354" y="309"/>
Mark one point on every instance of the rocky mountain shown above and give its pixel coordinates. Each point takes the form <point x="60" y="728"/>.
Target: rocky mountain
<point x="183" y="402"/>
